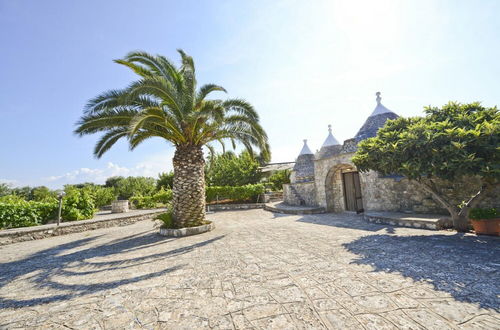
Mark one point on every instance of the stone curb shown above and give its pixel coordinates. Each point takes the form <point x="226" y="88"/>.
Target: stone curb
<point x="230" y="207"/>
<point x="10" y="236"/>
<point x="317" y="210"/>
<point x="187" y="231"/>
<point x="438" y="223"/>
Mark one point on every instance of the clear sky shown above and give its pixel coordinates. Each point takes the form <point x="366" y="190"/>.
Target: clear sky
<point x="302" y="64"/>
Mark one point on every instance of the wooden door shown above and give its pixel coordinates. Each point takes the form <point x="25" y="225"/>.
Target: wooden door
<point x="352" y="191"/>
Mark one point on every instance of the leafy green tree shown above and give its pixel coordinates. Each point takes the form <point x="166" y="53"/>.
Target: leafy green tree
<point x="4" y="189"/>
<point x="113" y="181"/>
<point x="227" y="169"/>
<point x="279" y="178"/>
<point x="135" y="186"/>
<point x="165" y="102"/>
<point x="43" y="194"/>
<point x="24" y="192"/>
<point x="165" y="180"/>
<point x="448" y="144"/>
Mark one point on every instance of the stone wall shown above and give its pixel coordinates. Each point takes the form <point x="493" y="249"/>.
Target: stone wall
<point x="300" y="193"/>
<point x="402" y="195"/>
<point x="15" y="235"/>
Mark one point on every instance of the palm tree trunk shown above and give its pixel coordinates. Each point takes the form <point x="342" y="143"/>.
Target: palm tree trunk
<point x="189" y="186"/>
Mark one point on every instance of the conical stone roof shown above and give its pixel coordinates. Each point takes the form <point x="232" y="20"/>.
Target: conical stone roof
<point x="375" y="121"/>
<point x="304" y="165"/>
<point x="330" y="147"/>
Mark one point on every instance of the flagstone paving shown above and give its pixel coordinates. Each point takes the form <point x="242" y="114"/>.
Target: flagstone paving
<point x="255" y="270"/>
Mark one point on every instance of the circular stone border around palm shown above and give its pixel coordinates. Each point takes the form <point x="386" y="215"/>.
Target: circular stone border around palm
<point x="188" y="231"/>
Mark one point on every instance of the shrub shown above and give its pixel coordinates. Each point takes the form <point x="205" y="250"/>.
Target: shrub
<point x="163" y="196"/>
<point x="43" y="194"/>
<point x="167" y="219"/>
<point x="11" y="199"/>
<point x="247" y="193"/>
<point x="25" y="214"/>
<point x="165" y="180"/>
<point x="278" y="178"/>
<point x="149" y="202"/>
<point x="227" y="169"/>
<point x="135" y="186"/>
<point x="143" y="202"/>
<point x="479" y="214"/>
<point x="78" y="204"/>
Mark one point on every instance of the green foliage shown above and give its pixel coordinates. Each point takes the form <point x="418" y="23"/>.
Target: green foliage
<point x="227" y="169"/>
<point x="112" y="182"/>
<point x="167" y="219"/>
<point x="11" y="199"/>
<point x="101" y="196"/>
<point x="23" y="192"/>
<point x="166" y="102"/>
<point x="78" y="204"/>
<point x="278" y="179"/>
<point x="454" y="141"/>
<point x="165" y="181"/>
<point x="247" y="193"/>
<point x="43" y="194"/>
<point x="143" y="202"/>
<point x="162" y="197"/>
<point x="4" y="189"/>
<point x="21" y="213"/>
<point x="138" y="186"/>
<point x="483" y="214"/>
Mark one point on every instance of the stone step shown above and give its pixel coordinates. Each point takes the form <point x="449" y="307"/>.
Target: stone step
<point x="424" y="221"/>
<point x="281" y="207"/>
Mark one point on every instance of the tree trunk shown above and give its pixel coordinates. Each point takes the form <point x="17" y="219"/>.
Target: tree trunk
<point x="459" y="216"/>
<point x="189" y="186"/>
<point x="460" y="222"/>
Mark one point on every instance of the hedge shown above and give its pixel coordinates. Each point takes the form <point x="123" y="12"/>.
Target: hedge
<point x="149" y="202"/>
<point x="247" y="193"/>
<point x="26" y="214"/>
<point x="15" y="213"/>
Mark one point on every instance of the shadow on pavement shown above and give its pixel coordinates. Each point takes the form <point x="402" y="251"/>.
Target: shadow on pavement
<point x="465" y="266"/>
<point x="43" y="268"/>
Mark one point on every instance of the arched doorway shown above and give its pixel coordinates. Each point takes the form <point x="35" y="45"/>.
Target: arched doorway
<point x="343" y="189"/>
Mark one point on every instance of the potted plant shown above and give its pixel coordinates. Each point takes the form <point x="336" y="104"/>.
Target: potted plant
<point x="485" y="221"/>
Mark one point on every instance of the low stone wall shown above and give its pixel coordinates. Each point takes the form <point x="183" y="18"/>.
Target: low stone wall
<point x="303" y="193"/>
<point x="15" y="235"/>
<point x="231" y="207"/>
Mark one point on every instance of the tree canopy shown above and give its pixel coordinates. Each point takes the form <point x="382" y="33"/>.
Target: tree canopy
<point x="448" y="143"/>
<point x="228" y="169"/>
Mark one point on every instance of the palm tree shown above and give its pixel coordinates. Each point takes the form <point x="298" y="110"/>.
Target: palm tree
<point x="165" y="102"/>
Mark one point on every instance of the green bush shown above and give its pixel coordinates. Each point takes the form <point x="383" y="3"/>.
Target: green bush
<point x="163" y="196"/>
<point x="167" y="219"/>
<point x="11" y="199"/>
<point x="150" y="202"/>
<point x="78" y="204"/>
<point x="25" y="214"/>
<point x="278" y="178"/>
<point x="478" y="213"/>
<point x="227" y="169"/>
<point x="247" y="193"/>
<point x="165" y="180"/>
<point x="143" y="202"/>
<point x="101" y="196"/>
<point x="135" y="186"/>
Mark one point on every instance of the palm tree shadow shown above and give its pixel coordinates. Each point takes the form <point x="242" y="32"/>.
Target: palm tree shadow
<point x="467" y="267"/>
<point x="47" y="265"/>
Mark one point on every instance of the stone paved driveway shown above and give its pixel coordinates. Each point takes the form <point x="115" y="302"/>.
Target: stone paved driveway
<point x="255" y="270"/>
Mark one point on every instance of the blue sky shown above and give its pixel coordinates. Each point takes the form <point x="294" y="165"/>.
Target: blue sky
<point x="302" y="64"/>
